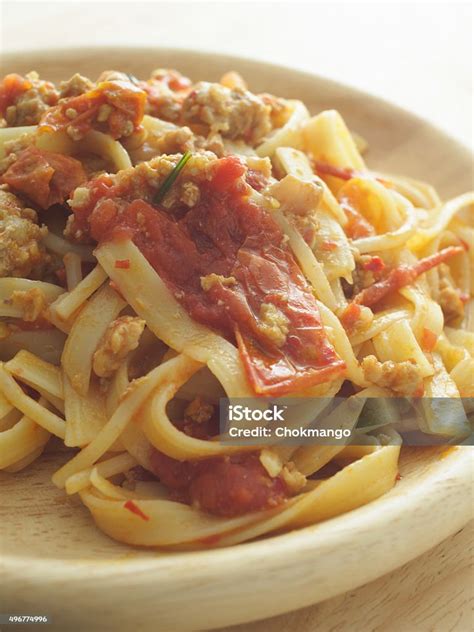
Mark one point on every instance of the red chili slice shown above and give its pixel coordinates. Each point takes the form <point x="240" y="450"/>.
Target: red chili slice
<point x="134" y="508"/>
<point x="403" y="275"/>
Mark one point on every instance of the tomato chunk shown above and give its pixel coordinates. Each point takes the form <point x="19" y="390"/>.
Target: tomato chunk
<point x="226" y="486"/>
<point x="428" y="339"/>
<point x="226" y="261"/>
<point x="350" y="316"/>
<point x="115" y="107"/>
<point x="45" y="177"/>
<point x="11" y="87"/>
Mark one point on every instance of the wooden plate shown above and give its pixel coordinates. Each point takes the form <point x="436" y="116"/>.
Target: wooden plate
<point x="56" y="562"/>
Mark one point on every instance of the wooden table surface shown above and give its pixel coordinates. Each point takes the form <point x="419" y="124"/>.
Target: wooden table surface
<point x="434" y="593"/>
<point x="422" y="63"/>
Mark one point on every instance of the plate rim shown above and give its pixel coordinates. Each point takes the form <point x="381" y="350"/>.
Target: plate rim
<point x="65" y="52"/>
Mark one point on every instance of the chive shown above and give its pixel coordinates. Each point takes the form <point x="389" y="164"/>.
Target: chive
<point x="168" y="183"/>
<point x="132" y="78"/>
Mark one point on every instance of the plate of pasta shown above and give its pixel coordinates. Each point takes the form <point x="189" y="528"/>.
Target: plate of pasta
<point x="178" y="230"/>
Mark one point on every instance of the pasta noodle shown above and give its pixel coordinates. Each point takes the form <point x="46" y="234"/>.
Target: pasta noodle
<point x="207" y="247"/>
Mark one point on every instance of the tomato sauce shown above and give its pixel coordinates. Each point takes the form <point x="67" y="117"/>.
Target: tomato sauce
<point x="158" y="96"/>
<point x="226" y="486"/>
<point x="126" y="102"/>
<point x="45" y="177"/>
<point x="227" y="234"/>
<point x="375" y="264"/>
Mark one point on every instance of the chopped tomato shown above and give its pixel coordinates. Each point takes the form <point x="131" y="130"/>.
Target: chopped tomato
<point x="11" y="87"/>
<point x="176" y="81"/>
<point x="126" y="107"/>
<point x="374" y="264"/>
<point x="225" y="486"/>
<point x="46" y="178"/>
<point x="428" y="340"/>
<point x="173" y="79"/>
<point x="350" y="316"/>
<point x="403" y="275"/>
<point x="229" y="235"/>
<point x="166" y="91"/>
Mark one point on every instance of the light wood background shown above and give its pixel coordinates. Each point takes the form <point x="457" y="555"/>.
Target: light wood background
<point x="417" y="55"/>
<point x="434" y="593"/>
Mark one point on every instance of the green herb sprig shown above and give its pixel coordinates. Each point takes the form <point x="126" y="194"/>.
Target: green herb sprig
<point x="132" y="78"/>
<point x="169" y="181"/>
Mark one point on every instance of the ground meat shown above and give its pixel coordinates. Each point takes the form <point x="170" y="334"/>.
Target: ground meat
<point x="449" y="295"/>
<point x="166" y="90"/>
<point x="297" y="196"/>
<point x="199" y="420"/>
<point x="14" y="147"/>
<point x="75" y="86"/>
<point x="227" y="486"/>
<point x="232" y="113"/>
<point x="280" y="109"/>
<point x="112" y="107"/>
<point x="403" y="378"/>
<point x="175" y="140"/>
<point x="273" y="324"/>
<point x="121" y="337"/>
<point x="300" y="200"/>
<point x="233" y="80"/>
<point x="114" y="75"/>
<point x="23" y="100"/>
<point x="22" y="253"/>
<point x="208" y="281"/>
<point x="32" y="303"/>
<point x="369" y="269"/>
<point x="294" y="479"/>
<point x="141" y="182"/>
<point x="199" y="411"/>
